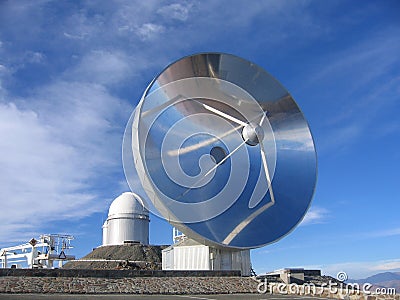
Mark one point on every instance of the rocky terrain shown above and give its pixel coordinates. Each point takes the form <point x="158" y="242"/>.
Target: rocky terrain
<point x="136" y="257"/>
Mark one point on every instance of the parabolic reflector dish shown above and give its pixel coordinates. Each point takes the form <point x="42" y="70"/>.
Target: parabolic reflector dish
<point x="222" y="151"/>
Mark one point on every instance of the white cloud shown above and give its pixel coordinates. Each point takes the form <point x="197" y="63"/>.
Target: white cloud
<point x="3" y="73"/>
<point x="315" y="215"/>
<point x="102" y="67"/>
<point x="80" y="26"/>
<point x="176" y="11"/>
<point x="73" y="36"/>
<point x="150" y="30"/>
<point x="36" y="180"/>
<point x="52" y="153"/>
<point x="34" y="57"/>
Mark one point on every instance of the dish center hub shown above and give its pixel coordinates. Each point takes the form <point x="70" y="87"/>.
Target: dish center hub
<point x="252" y="133"/>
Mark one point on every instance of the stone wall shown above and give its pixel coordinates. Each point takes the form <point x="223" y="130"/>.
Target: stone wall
<point x="132" y="285"/>
<point x="160" y="282"/>
<point x="113" y="273"/>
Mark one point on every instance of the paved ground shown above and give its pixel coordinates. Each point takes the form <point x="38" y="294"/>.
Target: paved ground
<point x="160" y="297"/>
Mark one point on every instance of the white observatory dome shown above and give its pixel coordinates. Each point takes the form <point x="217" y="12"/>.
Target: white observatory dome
<point x="127" y="221"/>
<point x="127" y="203"/>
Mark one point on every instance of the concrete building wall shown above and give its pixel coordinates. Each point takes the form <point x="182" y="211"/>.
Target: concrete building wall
<point x="191" y="258"/>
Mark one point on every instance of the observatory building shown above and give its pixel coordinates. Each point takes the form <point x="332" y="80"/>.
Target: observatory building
<point x="127" y="221"/>
<point x="188" y="254"/>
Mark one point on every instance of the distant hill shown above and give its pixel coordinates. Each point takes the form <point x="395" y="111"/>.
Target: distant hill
<point x="383" y="277"/>
<point x="386" y="279"/>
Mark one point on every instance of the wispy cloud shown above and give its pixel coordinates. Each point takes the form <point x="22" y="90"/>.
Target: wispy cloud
<point x="383" y="233"/>
<point x="340" y="137"/>
<point x="387" y="265"/>
<point x="359" y="269"/>
<point x="369" y="86"/>
<point x="363" y="61"/>
<point x="102" y="67"/>
<point x="315" y="215"/>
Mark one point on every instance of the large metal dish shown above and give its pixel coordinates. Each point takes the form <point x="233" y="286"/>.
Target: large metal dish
<point x="223" y="151"/>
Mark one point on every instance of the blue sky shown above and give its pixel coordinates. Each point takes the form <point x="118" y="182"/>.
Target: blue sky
<point x="72" y="72"/>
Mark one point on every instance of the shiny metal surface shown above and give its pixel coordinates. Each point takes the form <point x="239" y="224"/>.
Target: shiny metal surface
<point x="223" y="151"/>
